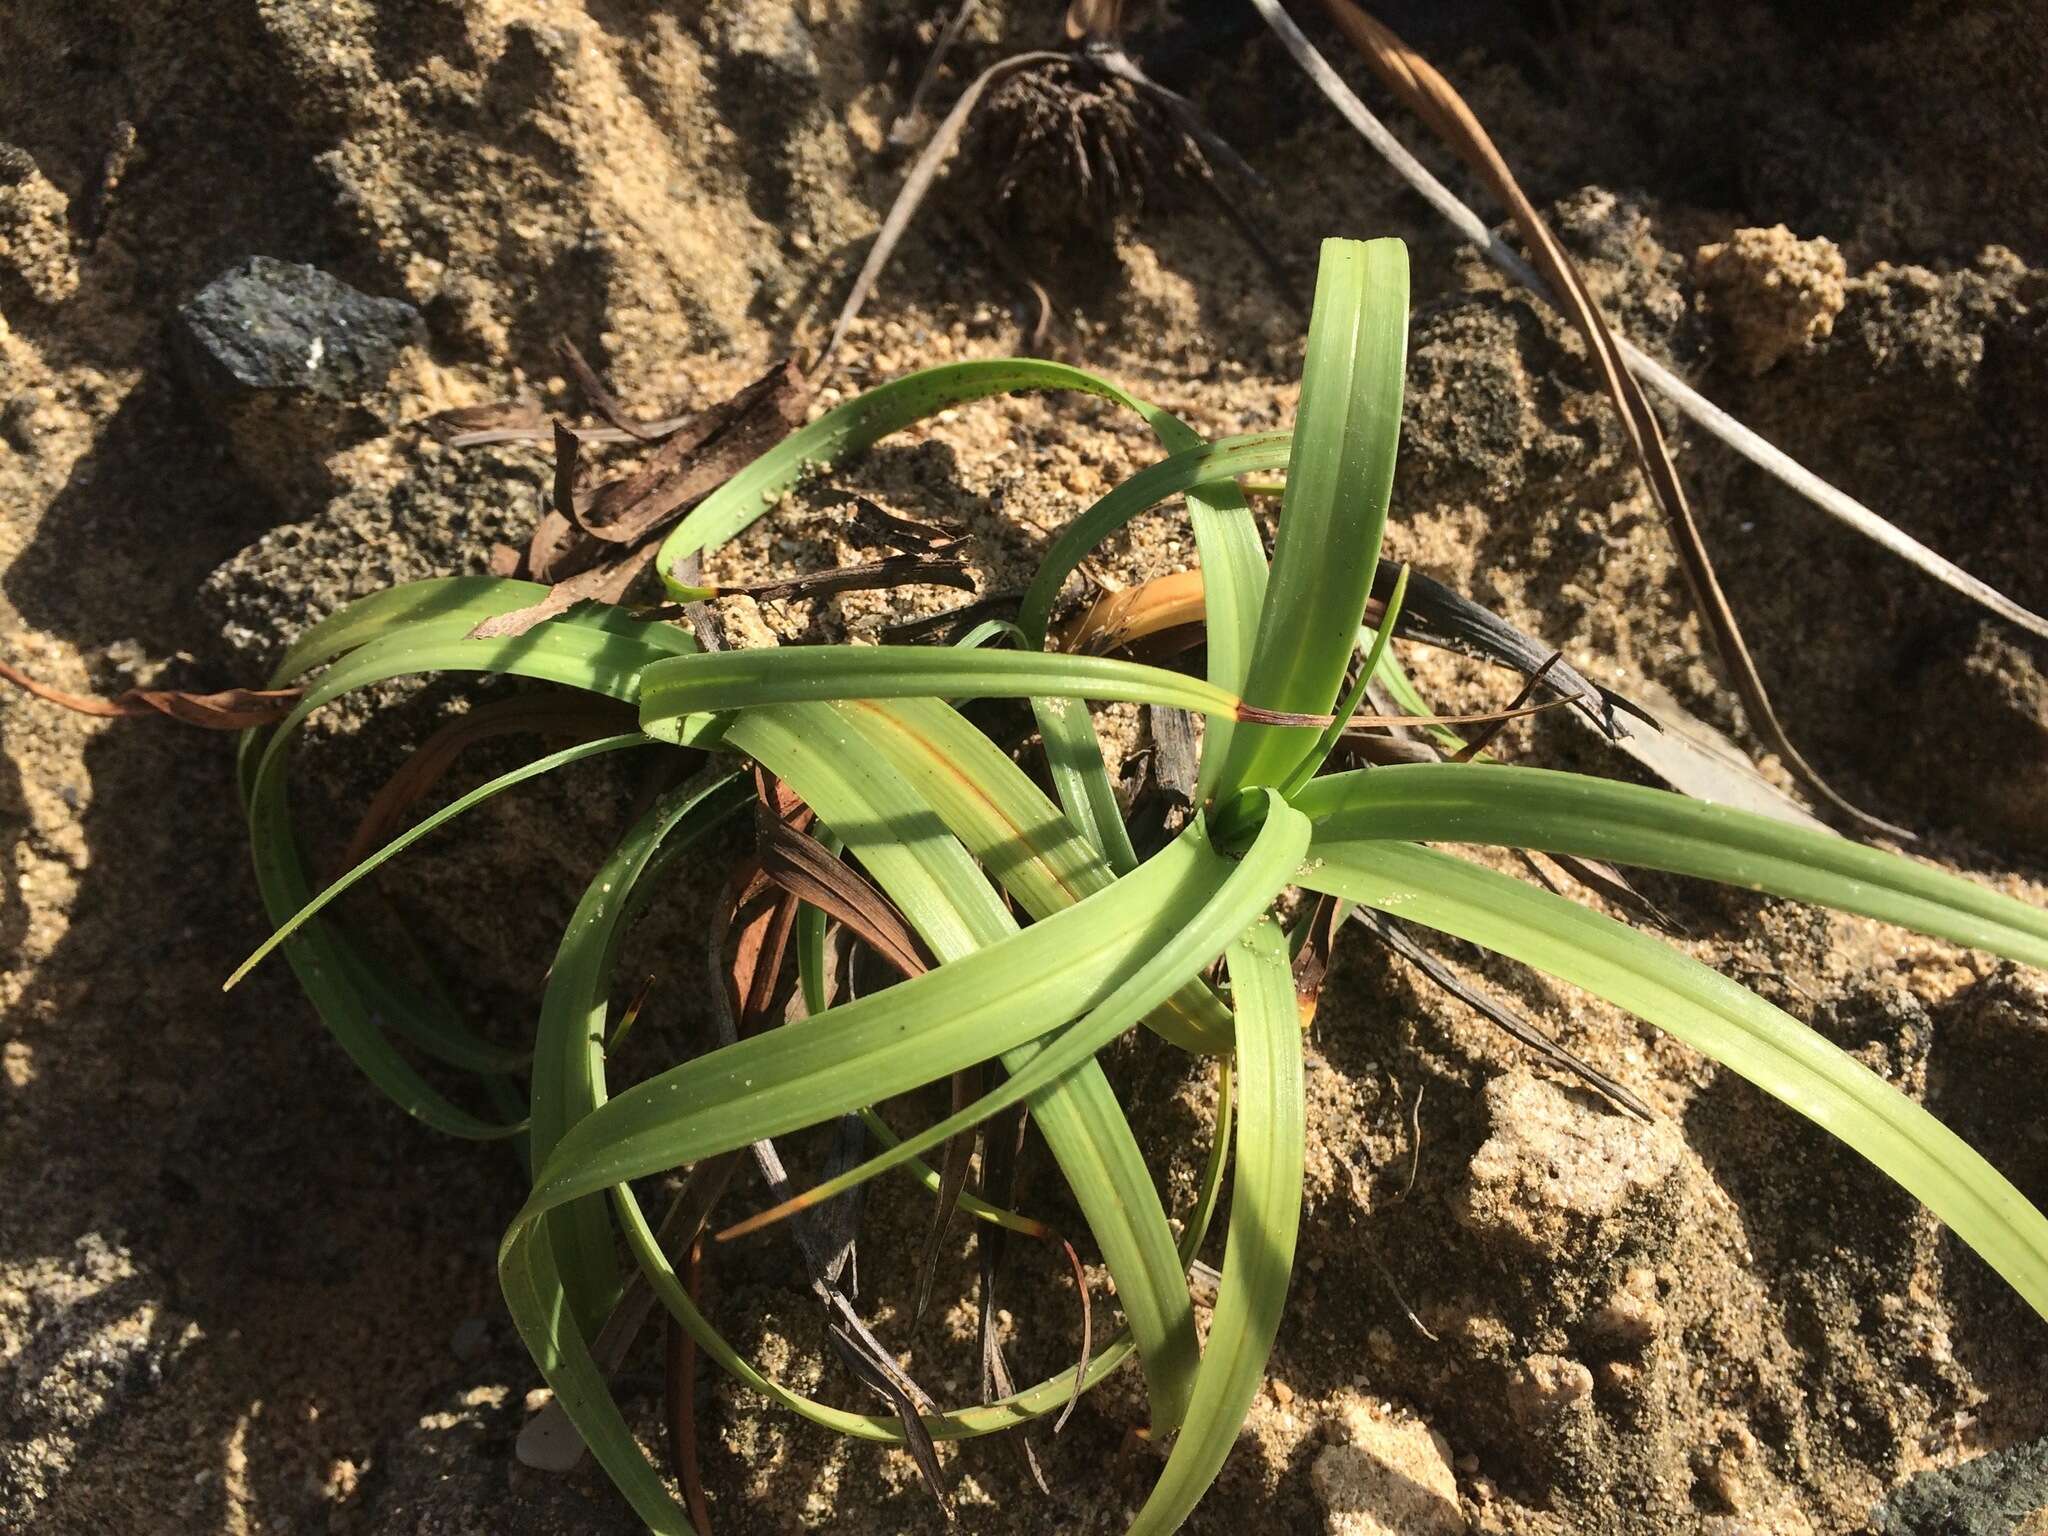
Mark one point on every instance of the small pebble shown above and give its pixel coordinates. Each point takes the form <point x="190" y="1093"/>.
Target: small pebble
<point x="471" y="1338"/>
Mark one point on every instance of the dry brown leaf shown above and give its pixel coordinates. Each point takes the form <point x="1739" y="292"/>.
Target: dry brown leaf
<point x="698" y="458"/>
<point x="232" y="709"/>
<point x="501" y="421"/>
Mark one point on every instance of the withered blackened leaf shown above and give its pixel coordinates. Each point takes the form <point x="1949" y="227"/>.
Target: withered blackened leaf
<point x="896" y="571"/>
<point x="1487" y="734"/>
<point x="1438" y="615"/>
<point x="1611" y="883"/>
<point x="954" y="622"/>
<point x="1175" y="758"/>
<point x="568" y="459"/>
<point x="957" y="1164"/>
<point x="875" y="526"/>
<point x="702" y="617"/>
<point x="1396" y="938"/>
<point x="916" y="1437"/>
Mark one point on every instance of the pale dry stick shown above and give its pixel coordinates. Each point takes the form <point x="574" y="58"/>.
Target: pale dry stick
<point x="1432" y="98"/>
<point x="1765" y="455"/>
<point x="903" y="132"/>
<point x="943" y="142"/>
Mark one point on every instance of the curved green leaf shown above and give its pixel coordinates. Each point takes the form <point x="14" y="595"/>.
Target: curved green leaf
<point x="1716" y="1017"/>
<point x="851" y="428"/>
<point x="687" y="686"/>
<point x="1183" y="471"/>
<point x="560" y="1277"/>
<point x="1626" y="824"/>
<point x="593" y="648"/>
<point x="1265" y="1218"/>
<point x="440" y="818"/>
<point x="1339" y="475"/>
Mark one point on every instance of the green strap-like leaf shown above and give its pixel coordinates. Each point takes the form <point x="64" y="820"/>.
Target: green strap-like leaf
<point x="1031" y="848"/>
<point x="1339" y="475"/>
<point x="1265" y="1218"/>
<point x="527" y="1258"/>
<point x="1599" y="819"/>
<point x="1713" y="1015"/>
<point x="1401" y="687"/>
<point x="1080" y="777"/>
<point x="1233" y="559"/>
<point x="694" y="686"/>
<point x="539" y="767"/>
<point x="445" y="598"/>
<point x="1266" y="869"/>
<point x="1312" y="762"/>
<point x="331" y="974"/>
<point x="1184" y="471"/>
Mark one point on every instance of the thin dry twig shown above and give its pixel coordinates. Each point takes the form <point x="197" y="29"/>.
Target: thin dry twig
<point x="679" y="1389"/>
<point x="906" y="130"/>
<point x="1432" y="98"/>
<point x="945" y="139"/>
<point x="1767" y="456"/>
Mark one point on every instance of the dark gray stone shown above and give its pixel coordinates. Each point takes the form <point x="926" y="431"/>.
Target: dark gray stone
<point x="270" y="325"/>
<point x="292" y="364"/>
<point x="1986" y="1497"/>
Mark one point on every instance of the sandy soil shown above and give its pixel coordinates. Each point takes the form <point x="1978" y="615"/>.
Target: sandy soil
<point x="240" y="1293"/>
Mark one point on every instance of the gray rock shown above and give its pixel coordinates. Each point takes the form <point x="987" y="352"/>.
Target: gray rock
<point x="472" y="1336"/>
<point x="293" y="364"/>
<point x="1992" y="1496"/>
<point x="84" y="1337"/>
<point x="773" y="39"/>
<point x="271" y="325"/>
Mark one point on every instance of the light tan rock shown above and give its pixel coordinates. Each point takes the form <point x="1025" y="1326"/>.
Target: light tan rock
<point x="1388" y="1474"/>
<point x="35" y="242"/>
<point x="1548" y="1386"/>
<point x="1555" y="1165"/>
<point x="1775" y="292"/>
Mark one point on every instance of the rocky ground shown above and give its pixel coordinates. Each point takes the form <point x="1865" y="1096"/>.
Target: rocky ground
<point x="240" y="1293"/>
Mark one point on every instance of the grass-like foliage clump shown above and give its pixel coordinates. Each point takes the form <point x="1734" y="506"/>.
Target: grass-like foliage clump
<point x="1027" y="931"/>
